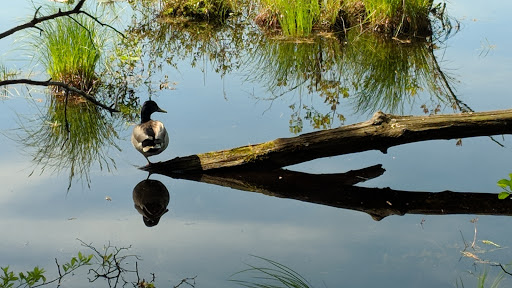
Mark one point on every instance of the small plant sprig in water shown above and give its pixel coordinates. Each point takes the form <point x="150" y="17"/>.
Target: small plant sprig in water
<point x="274" y="275"/>
<point x="109" y="264"/>
<point x="506" y="185"/>
<point x="36" y="277"/>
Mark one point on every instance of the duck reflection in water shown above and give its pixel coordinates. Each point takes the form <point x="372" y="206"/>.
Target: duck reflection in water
<point x="150" y="136"/>
<point x="150" y="198"/>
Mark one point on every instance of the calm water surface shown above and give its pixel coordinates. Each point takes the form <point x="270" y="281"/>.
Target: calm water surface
<point x="211" y="231"/>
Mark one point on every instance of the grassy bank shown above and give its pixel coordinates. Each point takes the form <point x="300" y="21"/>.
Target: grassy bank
<point x="390" y="17"/>
<point x="301" y="17"/>
<point x="202" y="10"/>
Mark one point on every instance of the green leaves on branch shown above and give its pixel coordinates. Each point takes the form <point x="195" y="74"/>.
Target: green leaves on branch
<point x="506" y="185"/>
<point x="27" y="279"/>
<point x="36" y="277"/>
<point x="77" y="262"/>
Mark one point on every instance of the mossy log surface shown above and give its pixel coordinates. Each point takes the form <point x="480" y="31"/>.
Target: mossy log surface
<point x="381" y="132"/>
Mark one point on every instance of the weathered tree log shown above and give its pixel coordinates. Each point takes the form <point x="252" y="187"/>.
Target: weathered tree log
<point x="337" y="190"/>
<point x="379" y="133"/>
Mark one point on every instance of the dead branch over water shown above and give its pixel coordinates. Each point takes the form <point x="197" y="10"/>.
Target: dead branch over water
<point x="39" y="19"/>
<point x="62" y="85"/>
<point x="256" y="168"/>
<point x="381" y="132"/>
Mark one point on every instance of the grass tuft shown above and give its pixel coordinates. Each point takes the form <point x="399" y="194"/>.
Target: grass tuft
<point x="202" y="10"/>
<point x="392" y="17"/>
<point x="272" y="275"/>
<point x="296" y="18"/>
<point x="396" y="16"/>
<point x="70" y="49"/>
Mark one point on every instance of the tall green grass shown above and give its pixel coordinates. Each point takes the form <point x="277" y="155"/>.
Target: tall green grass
<point x="483" y="277"/>
<point x="396" y="16"/>
<point x="329" y="11"/>
<point x="70" y="49"/>
<point x="296" y="18"/>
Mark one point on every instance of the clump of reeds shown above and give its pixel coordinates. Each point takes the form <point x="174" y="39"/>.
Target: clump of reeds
<point x="202" y="10"/>
<point x="70" y="49"/>
<point x="296" y="18"/>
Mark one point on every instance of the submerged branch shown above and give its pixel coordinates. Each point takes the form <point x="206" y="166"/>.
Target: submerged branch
<point x="381" y="132"/>
<point x="62" y="85"/>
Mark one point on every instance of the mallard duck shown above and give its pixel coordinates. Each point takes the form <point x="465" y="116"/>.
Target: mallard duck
<point x="150" y="137"/>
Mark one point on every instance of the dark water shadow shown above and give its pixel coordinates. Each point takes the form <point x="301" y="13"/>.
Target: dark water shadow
<point x="150" y="199"/>
<point x="338" y="190"/>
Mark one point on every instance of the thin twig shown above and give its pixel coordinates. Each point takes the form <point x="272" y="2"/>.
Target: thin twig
<point x="62" y="85"/>
<point x="464" y="240"/>
<point x="474" y="236"/>
<point x="463" y="107"/>
<point x="36" y="20"/>
<point x="185" y="281"/>
<point x="58" y="268"/>
<point x="503" y="268"/>
<point x="86" y="29"/>
<point x="102" y="24"/>
<point x="66" y="113"/>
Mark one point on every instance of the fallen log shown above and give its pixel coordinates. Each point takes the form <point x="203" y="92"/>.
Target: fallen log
<point x="381" y="132"/>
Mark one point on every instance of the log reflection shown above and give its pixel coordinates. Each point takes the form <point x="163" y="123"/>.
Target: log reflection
<point x="337" y="190"/>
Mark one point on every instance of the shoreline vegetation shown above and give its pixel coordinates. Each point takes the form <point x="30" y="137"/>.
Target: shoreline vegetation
<point x="73" y="48"/>
<point x="391" y="18"/>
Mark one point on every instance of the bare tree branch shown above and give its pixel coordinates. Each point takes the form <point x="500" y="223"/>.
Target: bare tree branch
<point x="62" y="85"/>
<point x="36" y="20"/>
<point x="33" y="24"/>
<point x="101" y="23"/>
<point x="503" y="268"/>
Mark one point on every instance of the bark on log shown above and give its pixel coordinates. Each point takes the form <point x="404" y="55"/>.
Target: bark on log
<point x="379" y="133"/>
<point x="336" y="190"/>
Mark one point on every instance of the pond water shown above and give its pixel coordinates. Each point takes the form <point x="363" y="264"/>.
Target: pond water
<point x="211" y="232"/>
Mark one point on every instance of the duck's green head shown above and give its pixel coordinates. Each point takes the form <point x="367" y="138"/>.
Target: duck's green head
<point x="148" y="108"/>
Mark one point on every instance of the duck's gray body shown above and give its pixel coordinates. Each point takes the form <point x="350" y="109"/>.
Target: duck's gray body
<point x="150" y="136"/>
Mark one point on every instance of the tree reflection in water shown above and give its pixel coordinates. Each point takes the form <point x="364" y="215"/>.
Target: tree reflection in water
<point x="370" y="72"/>
<point x="356" y="69"/>
<point x="69" y="135"/>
